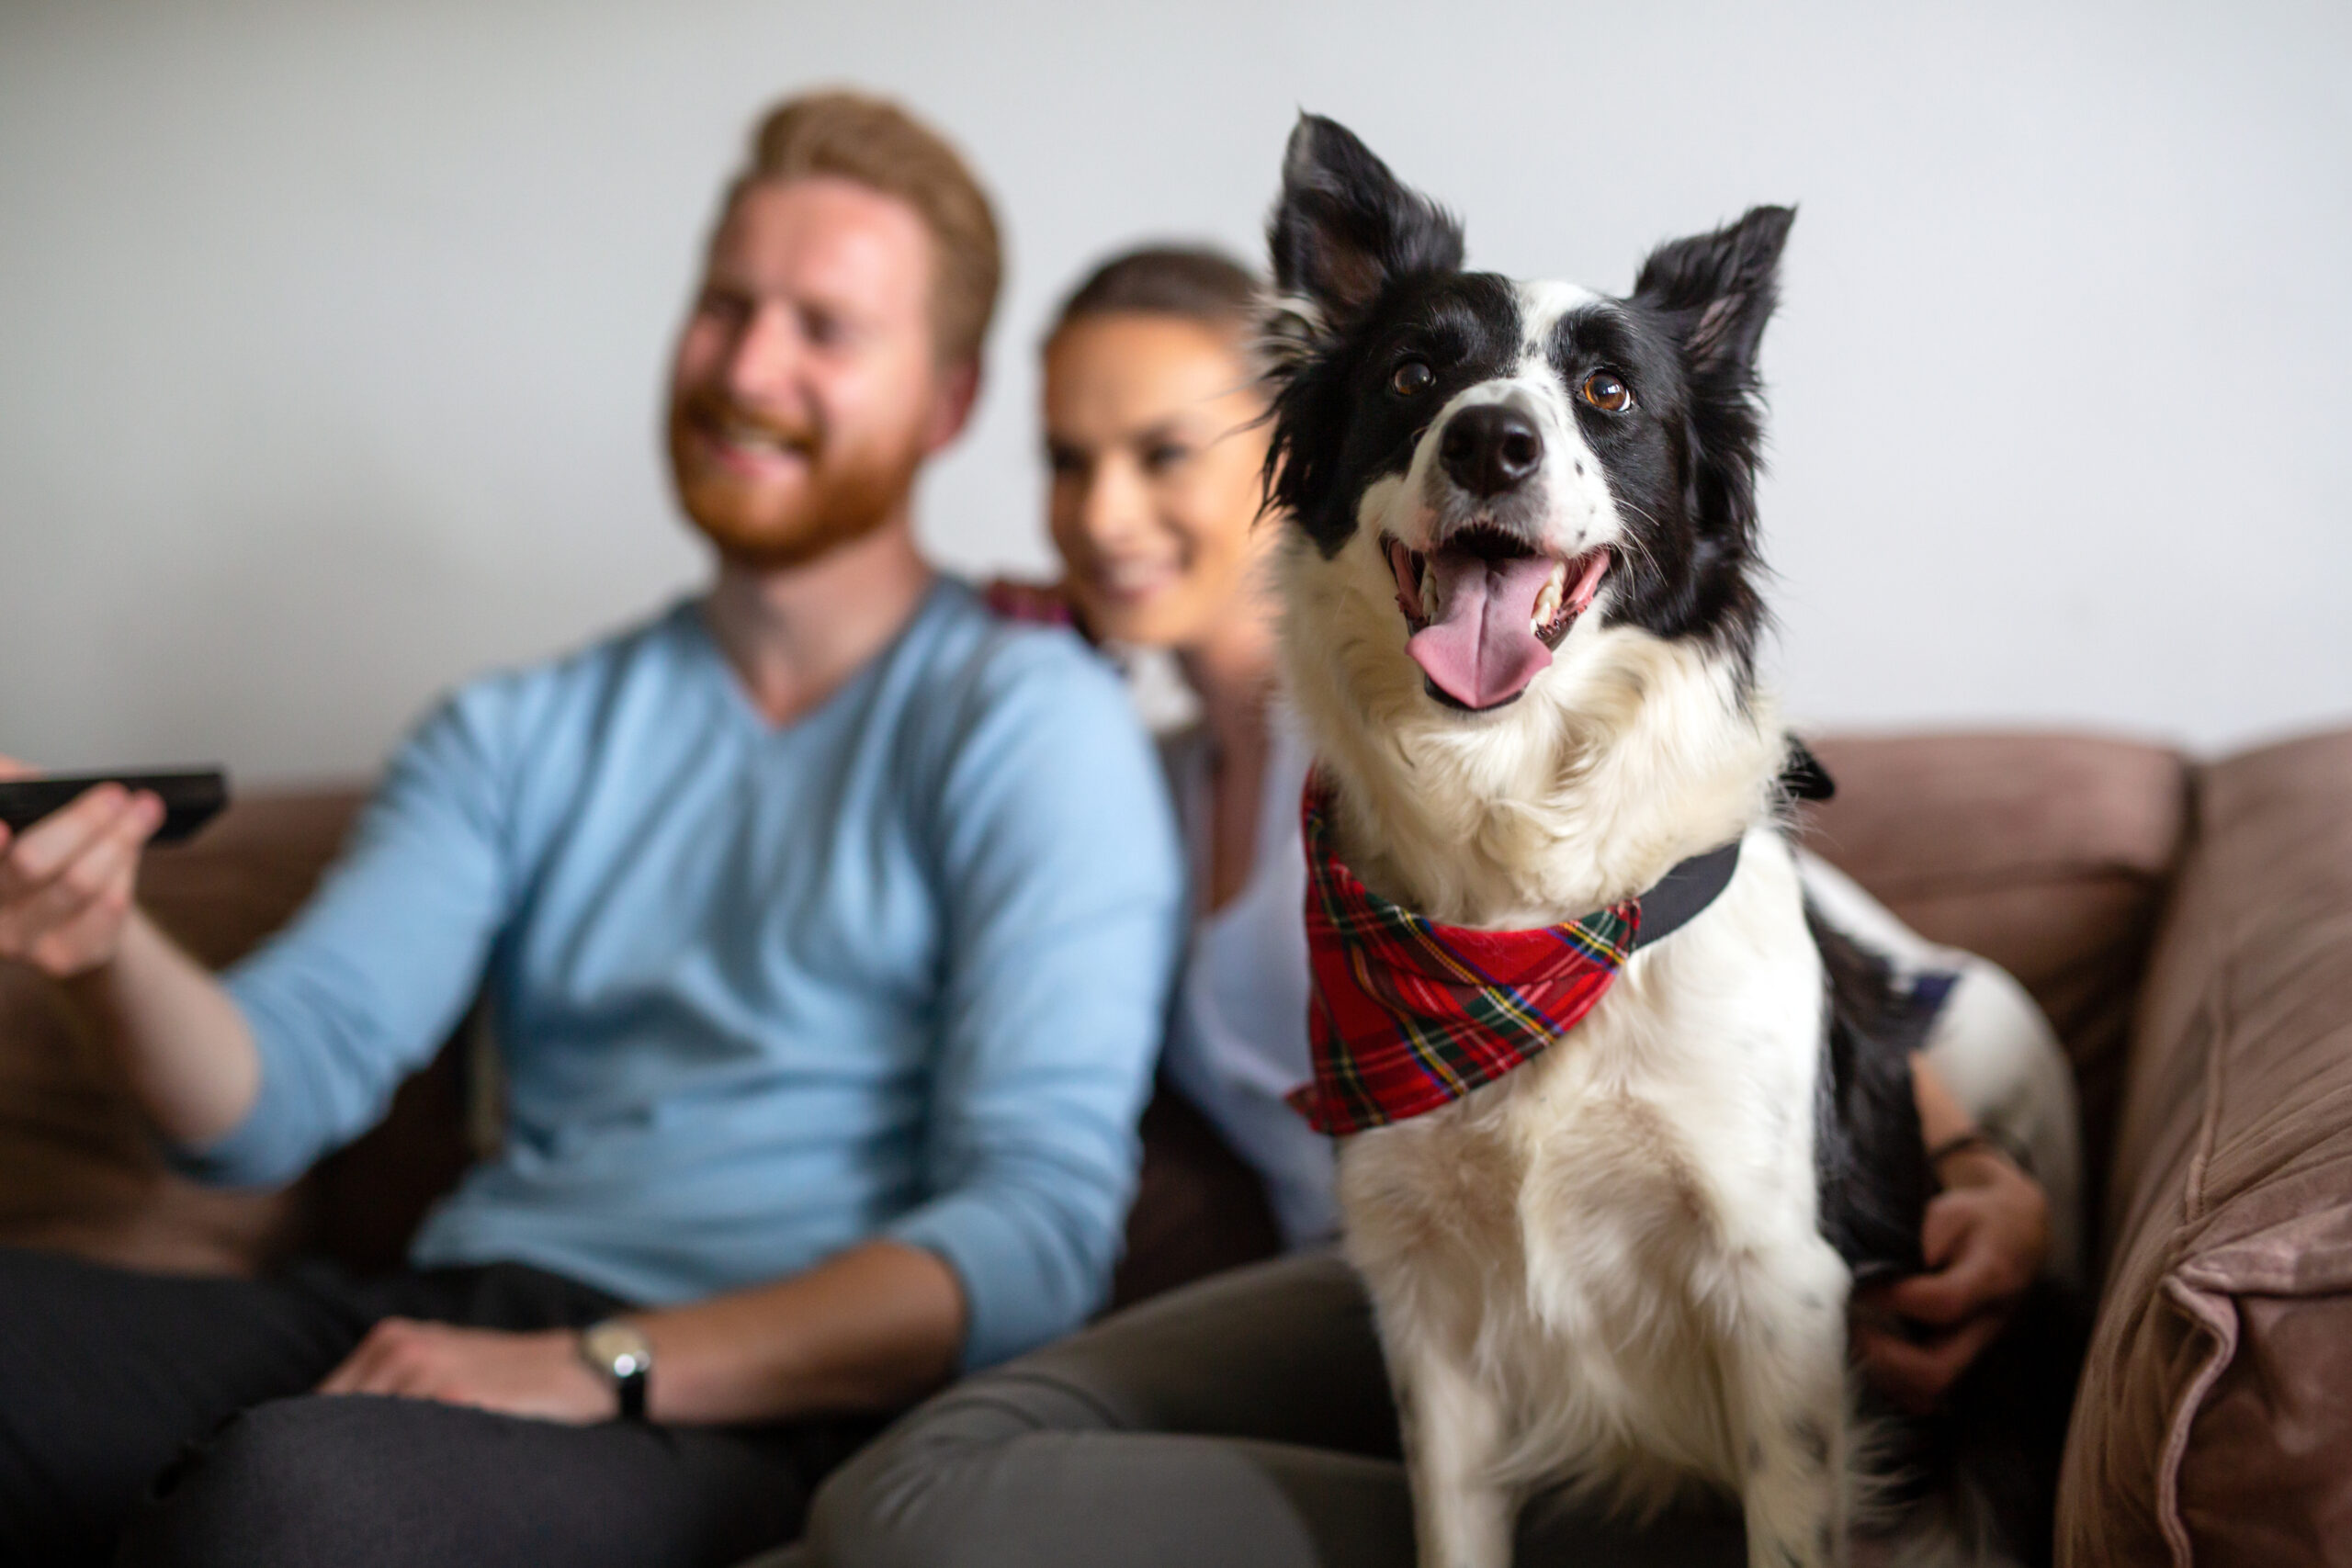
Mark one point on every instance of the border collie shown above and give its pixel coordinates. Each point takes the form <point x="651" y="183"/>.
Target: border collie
<point x="1519" y="623"/>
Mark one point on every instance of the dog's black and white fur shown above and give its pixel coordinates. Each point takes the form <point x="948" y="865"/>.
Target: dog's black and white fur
<point x="1625" y="1265"/>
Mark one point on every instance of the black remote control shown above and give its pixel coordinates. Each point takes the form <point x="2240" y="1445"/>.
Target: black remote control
<point x="190" y="800"/>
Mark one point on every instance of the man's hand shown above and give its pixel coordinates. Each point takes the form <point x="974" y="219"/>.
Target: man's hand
<point x="539" y="1375"/>
<point x="67" y="881"/>
<point x="1985" y="1238"/>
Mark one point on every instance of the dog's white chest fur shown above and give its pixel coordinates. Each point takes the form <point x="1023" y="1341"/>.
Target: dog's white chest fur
<point x="1598" y="1257"/>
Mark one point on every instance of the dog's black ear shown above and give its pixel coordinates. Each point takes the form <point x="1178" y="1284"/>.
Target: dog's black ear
<point x="1345" y="228"/>
<point x="1716" y="291"/>
<point x="1713" y="293"/>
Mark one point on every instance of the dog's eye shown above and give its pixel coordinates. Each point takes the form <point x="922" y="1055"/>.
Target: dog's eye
<point x="1607" y="393"/>
<point x="1411" y="379"/>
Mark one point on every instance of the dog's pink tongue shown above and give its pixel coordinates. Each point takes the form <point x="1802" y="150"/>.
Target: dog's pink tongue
<point x="1479" y="647"/>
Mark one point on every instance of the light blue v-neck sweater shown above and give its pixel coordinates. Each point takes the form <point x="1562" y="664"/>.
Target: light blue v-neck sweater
<point x="897" y="968"/>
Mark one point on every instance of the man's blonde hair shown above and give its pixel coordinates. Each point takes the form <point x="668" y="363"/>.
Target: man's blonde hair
<point x="875" y="142"/>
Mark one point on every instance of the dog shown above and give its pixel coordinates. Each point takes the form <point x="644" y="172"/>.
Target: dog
<point x="1520" y="623"/>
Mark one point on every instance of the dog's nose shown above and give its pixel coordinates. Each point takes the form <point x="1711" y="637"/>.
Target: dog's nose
<point x="1490" y="448"/>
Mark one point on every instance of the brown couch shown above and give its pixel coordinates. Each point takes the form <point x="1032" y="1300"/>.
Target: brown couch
<point x="2187" y="926"/>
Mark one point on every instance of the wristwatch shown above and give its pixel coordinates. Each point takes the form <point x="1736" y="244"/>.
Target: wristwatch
<point x="621" y="1354"/>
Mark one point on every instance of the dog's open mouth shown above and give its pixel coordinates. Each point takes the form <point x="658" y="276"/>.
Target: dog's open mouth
<point x="1484" y="612"/>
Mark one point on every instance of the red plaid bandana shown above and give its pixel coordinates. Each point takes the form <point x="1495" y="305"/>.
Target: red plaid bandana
<point x="1408" y="1015"/>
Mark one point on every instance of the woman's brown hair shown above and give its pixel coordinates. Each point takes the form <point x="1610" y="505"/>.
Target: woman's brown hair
<point x="1195" y="283"/>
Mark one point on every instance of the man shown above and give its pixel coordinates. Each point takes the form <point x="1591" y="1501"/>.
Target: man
<point x="825" y="923"/>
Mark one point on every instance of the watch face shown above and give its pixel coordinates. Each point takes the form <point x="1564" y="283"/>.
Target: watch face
<point x="618" y="1347"/>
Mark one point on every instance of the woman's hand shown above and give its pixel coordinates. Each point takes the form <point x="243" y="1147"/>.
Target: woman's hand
<point x="1985" y="1238"/>
<point x="1016" y="599"/>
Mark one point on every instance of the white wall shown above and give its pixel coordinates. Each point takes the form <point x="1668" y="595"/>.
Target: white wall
<point x="331" y="336"/>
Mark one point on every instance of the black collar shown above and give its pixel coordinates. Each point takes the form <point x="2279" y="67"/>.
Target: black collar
<point x="1677" y="899"/>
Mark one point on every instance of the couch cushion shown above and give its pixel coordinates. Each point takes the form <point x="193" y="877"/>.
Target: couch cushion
<point x="2048" y="854"/>
<point x="2215" y="1423"/>
<point x="1198" y="1209"/>
<point x="77" y="1169"/>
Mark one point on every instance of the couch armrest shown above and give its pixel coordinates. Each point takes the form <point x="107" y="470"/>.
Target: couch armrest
<point x="2214" y="1419"/>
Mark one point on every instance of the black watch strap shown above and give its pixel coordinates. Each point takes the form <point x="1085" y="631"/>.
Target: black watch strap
<point x="630" y="1386"/>
<point x="621" y="1353"/>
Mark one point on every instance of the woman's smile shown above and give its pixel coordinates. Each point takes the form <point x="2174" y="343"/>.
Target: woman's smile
<point x="1152" y="435"/>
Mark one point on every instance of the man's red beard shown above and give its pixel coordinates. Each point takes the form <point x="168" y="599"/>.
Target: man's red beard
<point x="845" y="496"/>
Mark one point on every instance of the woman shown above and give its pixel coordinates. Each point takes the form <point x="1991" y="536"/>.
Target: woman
<point x="1246" y="1419"/>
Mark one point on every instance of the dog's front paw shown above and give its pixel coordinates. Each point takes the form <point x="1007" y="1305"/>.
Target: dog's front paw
<point x="1794" y="1525"/>
<point x="1453" y="1433"/>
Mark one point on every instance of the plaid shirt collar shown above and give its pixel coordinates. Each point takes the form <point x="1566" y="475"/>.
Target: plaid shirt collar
<point x="1408" y="1015"/>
